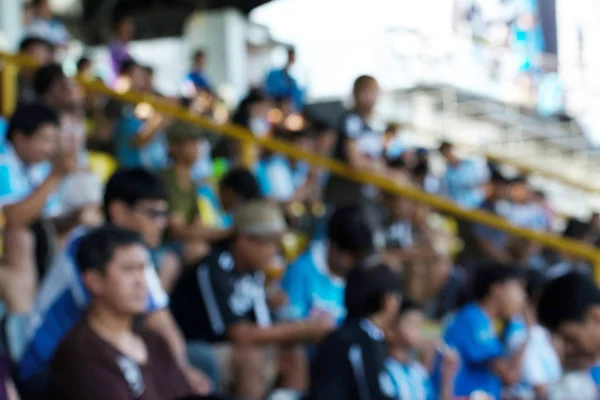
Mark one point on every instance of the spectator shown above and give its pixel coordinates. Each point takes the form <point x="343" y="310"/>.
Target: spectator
<point x="358" y="144"/>
<point x="85" y="67"/>
<point x="55" y="89"/>
<point x="28" y="196"/>
<point x="541" y="366"/>
<point x="570" y="308"/>
<point x="350" y="361"/>
<point x="464" y="179"/>
<point x="40" y="50"/>
<point x="139" y="131"/>
<point x="280" y="82"/>
<point x="391" y="142"/>
<point x="235" y="188"/>
<point x="123" y="30"/>
<point x="133" y="199"/>
<point x="523" y="209"/>
<point x="197" y="76"/>
<point x="46" y="26"/>
<point x="489" y="243"/>
<point x="405" y="377"/>
<point x="229" y="286"/>
<point x="485" y="362"/>
<point x="315" y="282"/>
<point x="104" y="356"/>
<point x="191" y="238"/>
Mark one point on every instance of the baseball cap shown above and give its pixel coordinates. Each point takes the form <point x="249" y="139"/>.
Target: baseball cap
<point x="259" y="218"/>
<point x="368" y="283"/>
<point x="181" y="131"/>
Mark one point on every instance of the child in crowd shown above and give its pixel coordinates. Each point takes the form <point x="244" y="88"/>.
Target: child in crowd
<point x="406" y="378"/>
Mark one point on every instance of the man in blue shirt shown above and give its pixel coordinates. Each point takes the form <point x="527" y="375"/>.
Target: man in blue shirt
<point x="28" y="186"/>
<point x="197" y="76"/>
<point x="280" y="83"/>
<point x="464" y="179"/>
<point x="315" y="282"/>
<point x="486" y="361"/>
<point x="134" y="199"/>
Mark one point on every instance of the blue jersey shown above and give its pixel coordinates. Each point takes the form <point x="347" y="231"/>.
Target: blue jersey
<point x="311" y="288"/>
<point x="463" y="183"/>
<point x="406" y="381"/>
<point x="60" y="304"/>
<point x="471" y="332"/>
<point x="18" y="181"/>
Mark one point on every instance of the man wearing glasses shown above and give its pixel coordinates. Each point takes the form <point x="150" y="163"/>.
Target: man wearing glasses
<point x="134" y="199"/>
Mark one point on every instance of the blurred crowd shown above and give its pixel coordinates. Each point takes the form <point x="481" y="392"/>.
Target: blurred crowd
<point x="146" y="258"/>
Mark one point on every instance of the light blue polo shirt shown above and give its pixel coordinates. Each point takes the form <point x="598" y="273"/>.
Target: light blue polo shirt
<point x="311" y="288"/>
<point x="18" y="181"/>
<point x="462" y="183"/>
<point x="61" y="303"/>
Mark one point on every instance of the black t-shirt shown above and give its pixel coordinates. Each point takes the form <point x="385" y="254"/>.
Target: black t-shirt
<point x="349" y="363"/>
<point x="214" y="295"/>
<point x="353" y="127"/>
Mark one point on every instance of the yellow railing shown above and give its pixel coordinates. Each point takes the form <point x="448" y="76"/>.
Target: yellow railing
<point x="571" y="247"/>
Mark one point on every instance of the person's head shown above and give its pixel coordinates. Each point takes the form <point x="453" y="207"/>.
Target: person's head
<point x="184" y="143"/>
<point x="112" y="262"/>
<point x="391" y="130"/>
<point x="39" y="49"/>
<point x="399" y="207"/>
<point x="238" y="186"/>
<point x="595" y="221"/>
<point x="42" y="9"/>
<point x="54" y="88"/>
<point x="84" y="66"/>
<point x="366" y="93"/>
<point x="446" y="149"/>
<point x="325" y="138"/>
<point x="199" y="60"/>
<point x="303" y="140"/>
<point x="124" y="27"/>
<point x="373" y="291"/>
<point x="496" y="188"/>
<point x="351" y="239"/>
<point x="407" y="330"/>
<point x="148" y="72"/>
<point x="136" y="199"/>
<point x="291" y="56"/>
<point x="255" y="106"/>
<point x="134" y="74"/>
<point x="33" y="130"/>
<point x="519" y="190"/>
<point x="419" y="173"/>
<point x="258" y="226"/>
<point x="569" y="306"/>
<point x="501" y="288"/>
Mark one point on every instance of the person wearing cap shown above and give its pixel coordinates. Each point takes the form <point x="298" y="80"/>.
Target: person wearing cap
<point x="185" y="231"/>
<point x="31" y="170"/>
<point x="350" y="361"/>
<point x="222" y="301"/>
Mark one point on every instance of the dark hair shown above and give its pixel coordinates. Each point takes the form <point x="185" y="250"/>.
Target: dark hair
<point x="118" y="18"/>
<point x="361" y="82"/>
<point x="148" y="69"/>
<point x="127" y="67"/>
<point x="519" y="180"/>
<point x="348" y="229"/>
<point x="396" y="162"/>
<point x="96" y="248"/>
<point x="534" y="285"/>
<point x="82" y="62"/>
<point x="28" y="118"/>
<point x="242" y="114"/>
<point x="243" y="183"/>
<point x="30" y="41"/>
<point x="199" y="53"/>
<point x="46" y="77"/>
<point x="445" y="145"/>
<point x="37" y="3"/>
<point x="567" y="299"/>
<point x="421" y="169"/>
<point x="409" y="305"/>
<point x="131" y="186"/>
<point x="320" y="127"/>
<point x="291" y="50"/>
<point x="366" y="287"/>
<point x="491" y="274"/>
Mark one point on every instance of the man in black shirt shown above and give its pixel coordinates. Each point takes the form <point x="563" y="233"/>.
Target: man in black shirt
<point x="350" y="361"/>
<point x="358" y="145"/>
<point x="222" y="300"/>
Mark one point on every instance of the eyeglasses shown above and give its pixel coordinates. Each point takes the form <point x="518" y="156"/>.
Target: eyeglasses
<point x="153" y="213"/>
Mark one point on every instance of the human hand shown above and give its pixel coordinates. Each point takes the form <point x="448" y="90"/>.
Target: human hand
<point x="450" y="362"/>
<point x="200" y="383"/>
<point x="64" y="162"/>
<point x="317" y="328"/>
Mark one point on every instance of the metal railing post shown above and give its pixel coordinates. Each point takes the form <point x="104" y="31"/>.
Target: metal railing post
<point x="8" y="83"/>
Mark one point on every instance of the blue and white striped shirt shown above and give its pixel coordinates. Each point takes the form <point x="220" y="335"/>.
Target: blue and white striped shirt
<point x="406" y="381"/>
<point x="61" y="303"/>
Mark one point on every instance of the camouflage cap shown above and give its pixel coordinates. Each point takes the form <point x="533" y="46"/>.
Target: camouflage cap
<point x="259" y="218"/>
<point x="180" y="131"/>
